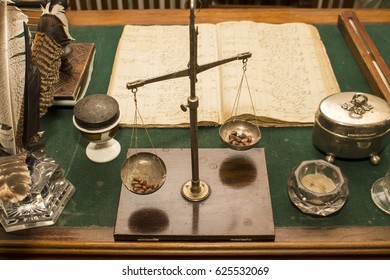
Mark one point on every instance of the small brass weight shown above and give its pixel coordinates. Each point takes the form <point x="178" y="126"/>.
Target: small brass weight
<point x="195" y="189"/>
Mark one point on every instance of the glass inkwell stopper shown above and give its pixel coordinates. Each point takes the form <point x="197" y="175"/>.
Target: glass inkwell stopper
<point x="97" y="118"/>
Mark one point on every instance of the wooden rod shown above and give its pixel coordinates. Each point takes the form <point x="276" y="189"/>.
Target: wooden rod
<point x="366" y="54"/>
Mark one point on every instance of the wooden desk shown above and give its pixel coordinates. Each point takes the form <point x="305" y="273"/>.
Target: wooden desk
<point x="290" y="242"/>
<point x="122" y="17"/>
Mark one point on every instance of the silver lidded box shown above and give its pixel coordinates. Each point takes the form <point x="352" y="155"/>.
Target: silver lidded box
<point x="352" y="125"/>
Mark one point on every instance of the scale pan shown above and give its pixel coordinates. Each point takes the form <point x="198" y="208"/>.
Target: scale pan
<point x="143" y="173"/>
<point x="239" y="135"/>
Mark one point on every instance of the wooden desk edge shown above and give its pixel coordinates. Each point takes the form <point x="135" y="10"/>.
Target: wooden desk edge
<point x="174" y="16"/>
<point x="52" y="242"/>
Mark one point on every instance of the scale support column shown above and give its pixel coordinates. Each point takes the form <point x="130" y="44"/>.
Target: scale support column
<point x="194" y="190"/>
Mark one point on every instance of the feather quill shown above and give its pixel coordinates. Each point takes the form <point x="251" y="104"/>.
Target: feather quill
<point x="19" y="106"/>
<point x="12" y="75"/>
<point x="48" y="47"/>
<point x="15" y="179"/>
<point x="31" y="97"/>
<point x="59" y="11"/>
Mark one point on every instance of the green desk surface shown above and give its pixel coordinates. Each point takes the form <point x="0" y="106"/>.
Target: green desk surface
<point x="98" y="186"/>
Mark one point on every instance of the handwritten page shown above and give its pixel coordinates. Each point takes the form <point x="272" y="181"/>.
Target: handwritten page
<point x="286" y="77"/>
<point x="143" y="53"/>
<point x="288" y="74"/>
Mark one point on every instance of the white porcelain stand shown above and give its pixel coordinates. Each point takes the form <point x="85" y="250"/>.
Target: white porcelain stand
<point x="103" y="152"/>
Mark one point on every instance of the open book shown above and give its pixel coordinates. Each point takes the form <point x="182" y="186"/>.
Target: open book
<point x="288" y="74"/>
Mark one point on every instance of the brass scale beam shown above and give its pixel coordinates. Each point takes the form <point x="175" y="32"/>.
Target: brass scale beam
<point x="194" y="190"/>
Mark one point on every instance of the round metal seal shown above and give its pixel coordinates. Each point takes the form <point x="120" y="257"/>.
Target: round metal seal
<point x="96" y="111"/>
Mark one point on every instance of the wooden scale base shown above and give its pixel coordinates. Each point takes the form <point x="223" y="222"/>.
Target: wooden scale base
<point x="237" y="209"/>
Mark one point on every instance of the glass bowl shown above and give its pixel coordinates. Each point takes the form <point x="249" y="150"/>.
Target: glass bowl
<point x="318" y="187"/>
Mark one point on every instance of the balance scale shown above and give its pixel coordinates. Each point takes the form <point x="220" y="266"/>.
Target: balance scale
<point x="230" y="202"/>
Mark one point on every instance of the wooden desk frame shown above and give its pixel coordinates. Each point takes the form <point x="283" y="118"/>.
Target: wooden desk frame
<point x="290" y="242"/>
